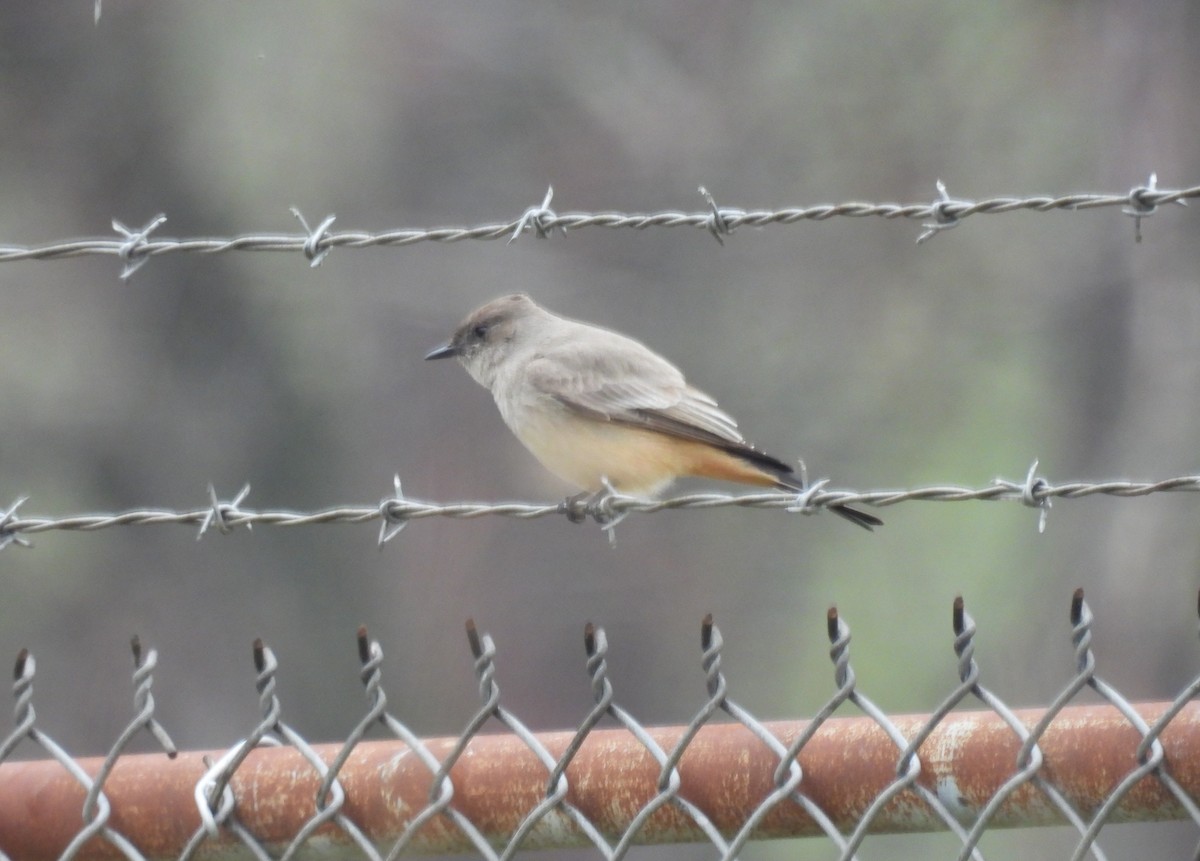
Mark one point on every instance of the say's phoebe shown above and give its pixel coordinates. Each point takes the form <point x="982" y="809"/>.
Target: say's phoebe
<point x="594" y="406"/>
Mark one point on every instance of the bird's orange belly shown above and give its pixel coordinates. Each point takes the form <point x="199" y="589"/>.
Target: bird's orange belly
<point x="585" y="452"/>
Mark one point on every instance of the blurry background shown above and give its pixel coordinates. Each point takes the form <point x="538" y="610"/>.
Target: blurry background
<point x="881" y="363"/>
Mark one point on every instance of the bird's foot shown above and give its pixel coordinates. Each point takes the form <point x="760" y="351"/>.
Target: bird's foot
<point x="599" y="505"/>
<point x="576" y="507"/>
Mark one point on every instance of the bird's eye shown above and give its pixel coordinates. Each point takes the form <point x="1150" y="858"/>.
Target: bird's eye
<point x="480" y="331"/>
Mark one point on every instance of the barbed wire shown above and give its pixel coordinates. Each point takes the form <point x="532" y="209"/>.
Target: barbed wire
<point x="607" y="509"/>
<point x="494" y="794"/>
<point x="135" y="246"/>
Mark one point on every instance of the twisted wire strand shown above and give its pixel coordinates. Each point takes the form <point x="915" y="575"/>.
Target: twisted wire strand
<point x="397" y="511"/>
<point x="134" y="246"/>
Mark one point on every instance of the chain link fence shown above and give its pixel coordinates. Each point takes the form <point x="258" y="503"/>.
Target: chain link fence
<point x="724" y="778"/>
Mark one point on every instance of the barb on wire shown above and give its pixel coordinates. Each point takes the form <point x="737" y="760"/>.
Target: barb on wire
<point x="605" y="509"/>
<point x="540" y="219"/>
<point x="1144" y="201"/>
<point x="945" y="212"/>
<point x="803" y="501"/>
<point x="136" y="246"/>
<point x="1032" y="497"/>
<point x="717" y="225"/>
<point x="312" y="246"/>
<point x="8" y="535"/>
<point x="134" y="250"/>
<point x="391" y="514"/>
<point x="394" y="513"/>
<point x="220" y="513"/>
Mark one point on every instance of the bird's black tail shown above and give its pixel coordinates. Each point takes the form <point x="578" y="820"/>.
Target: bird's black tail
<point x="861" y="518"/>
<point x="785" y="479"/>
<point x="866" y="521"/>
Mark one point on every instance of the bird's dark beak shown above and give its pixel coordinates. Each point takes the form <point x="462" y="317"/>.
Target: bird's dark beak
<point x="445" y="351"/>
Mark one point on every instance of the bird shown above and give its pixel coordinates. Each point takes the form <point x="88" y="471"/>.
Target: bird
<point x="603" y="411"/>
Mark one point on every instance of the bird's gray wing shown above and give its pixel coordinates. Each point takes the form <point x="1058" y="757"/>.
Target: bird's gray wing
<point x="632" y="386"/>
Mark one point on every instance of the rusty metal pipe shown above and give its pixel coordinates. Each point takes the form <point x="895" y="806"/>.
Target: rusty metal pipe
<point x="725" y="771"/>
